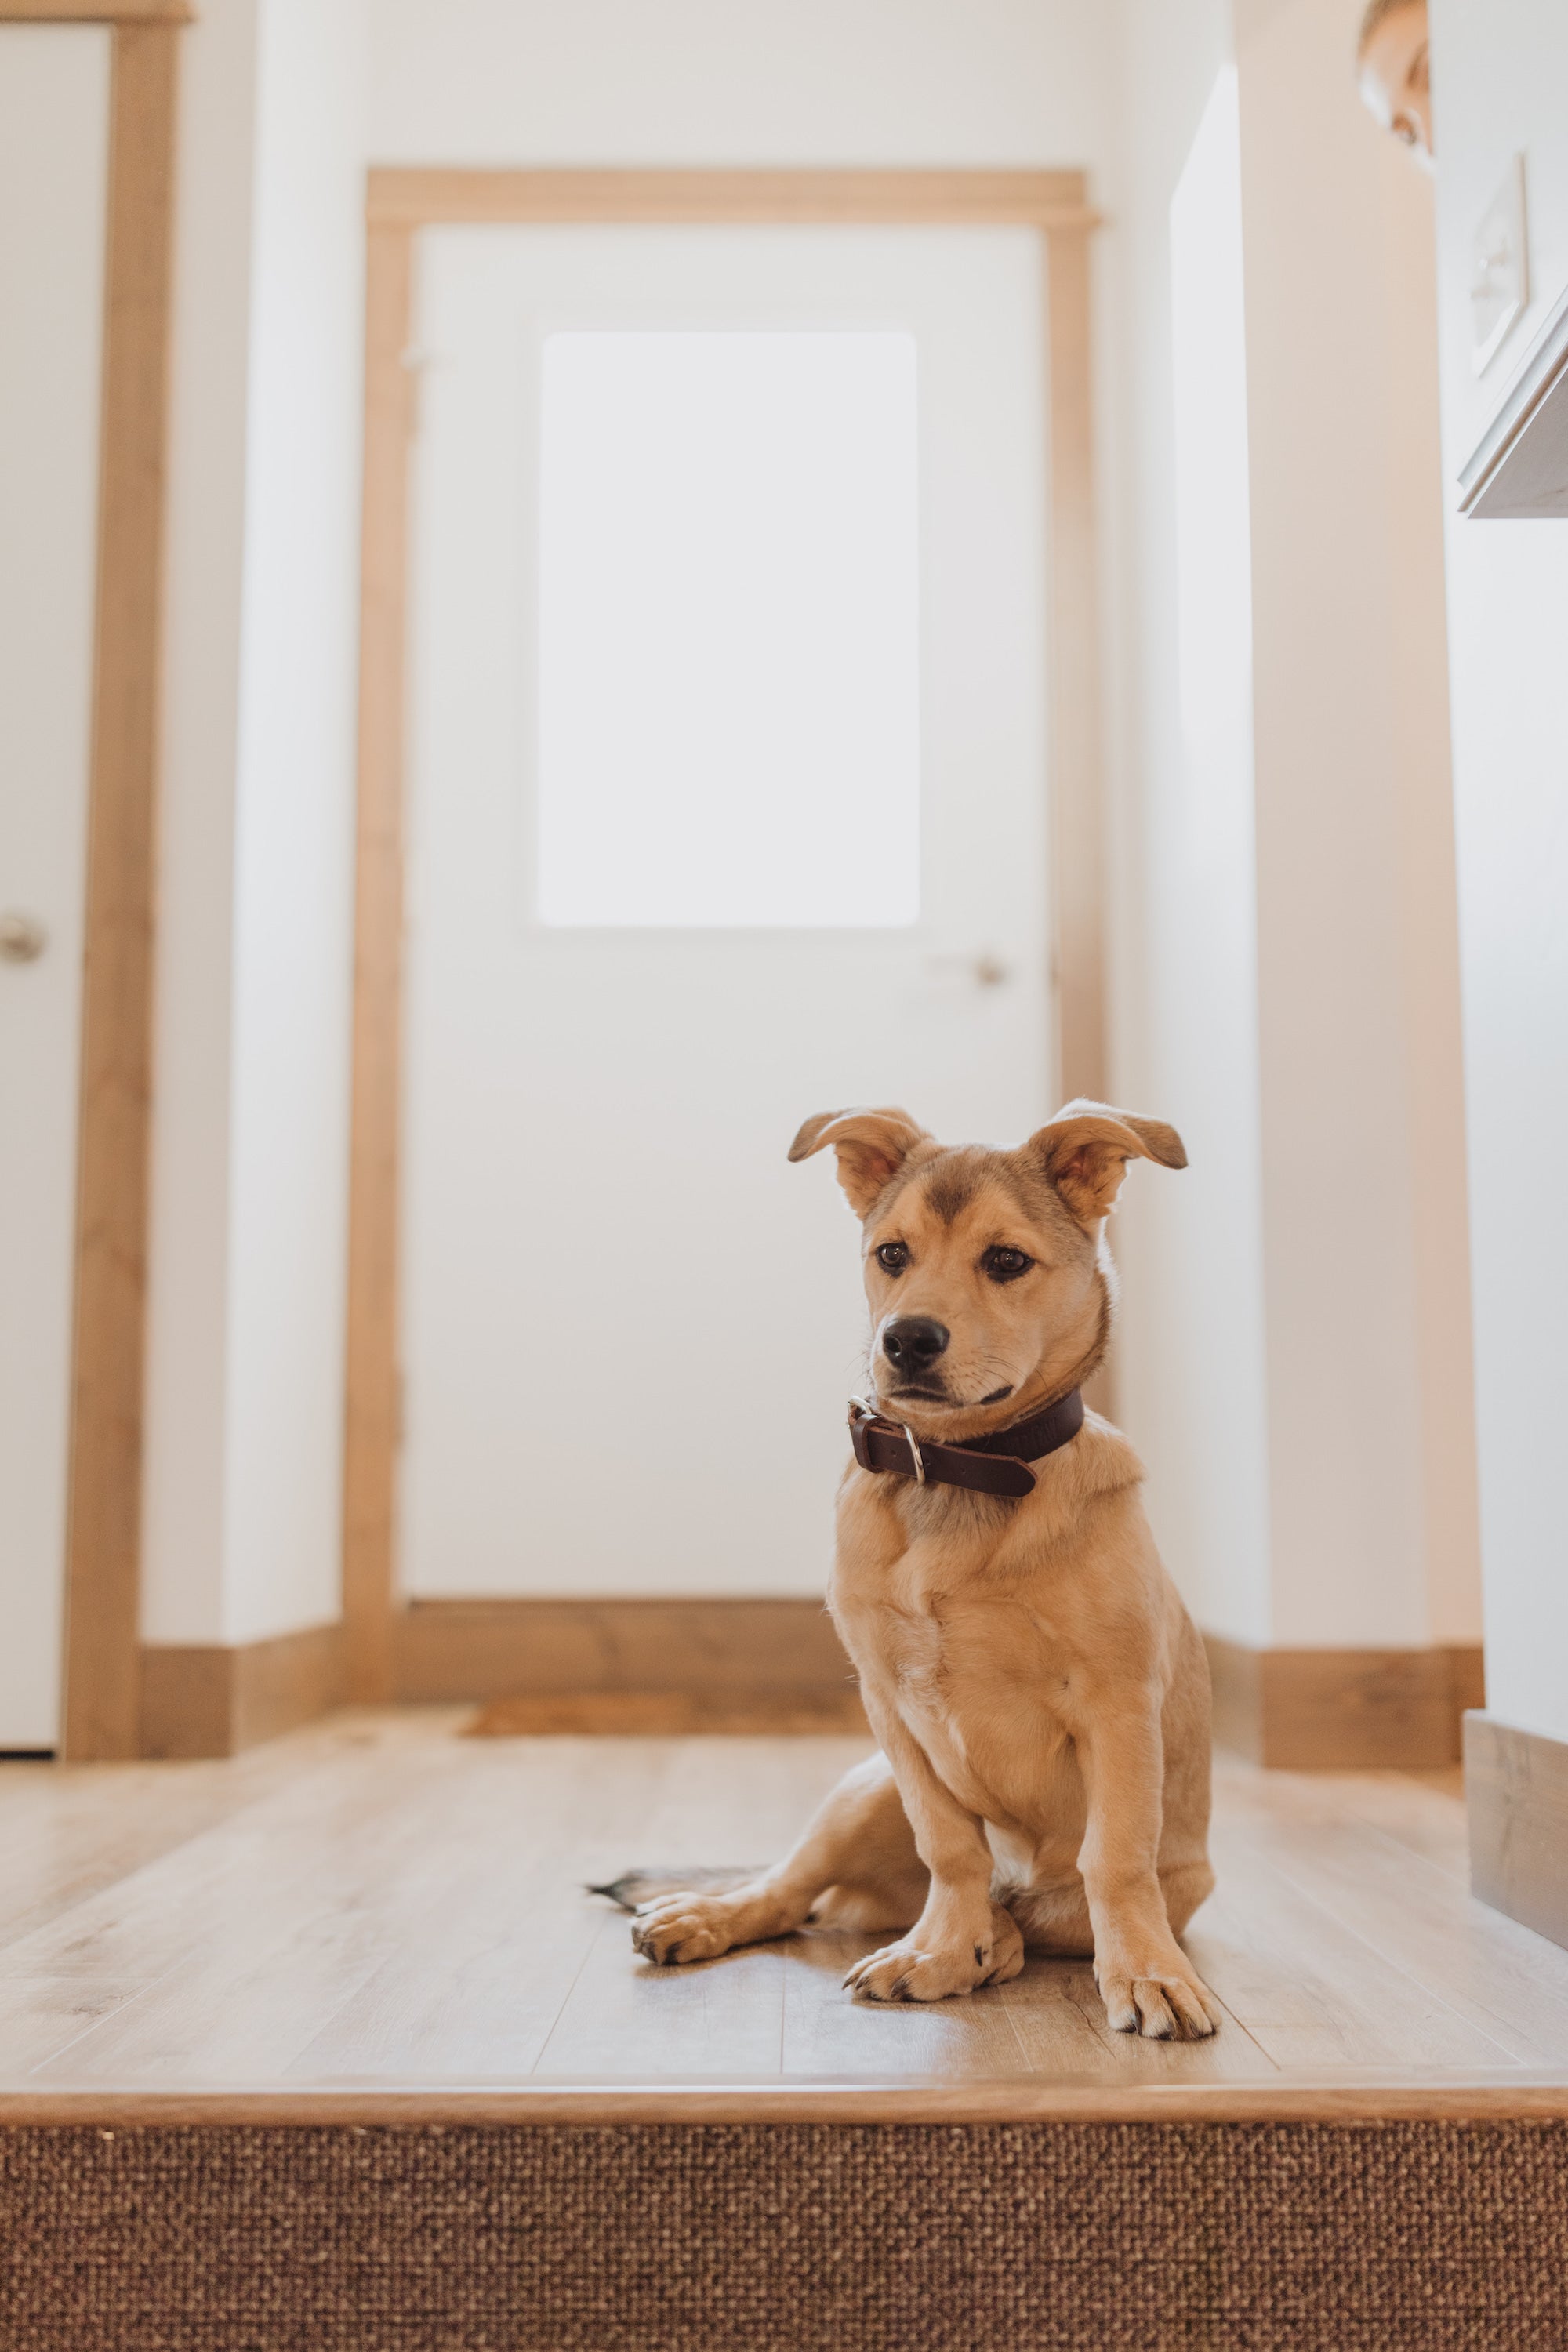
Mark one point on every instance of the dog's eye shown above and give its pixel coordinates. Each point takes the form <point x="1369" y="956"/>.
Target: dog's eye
<point x="893" y="1256"/>
<point x="1004" y="1265"/>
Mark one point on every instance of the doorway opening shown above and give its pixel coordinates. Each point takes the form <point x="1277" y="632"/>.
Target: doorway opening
<point x="721" y="554"/>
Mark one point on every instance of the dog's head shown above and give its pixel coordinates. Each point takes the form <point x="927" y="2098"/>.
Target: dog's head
<point x="990" y="1285"/>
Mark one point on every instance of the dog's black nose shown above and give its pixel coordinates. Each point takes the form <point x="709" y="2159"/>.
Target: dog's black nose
<point x="913" y="1342"/>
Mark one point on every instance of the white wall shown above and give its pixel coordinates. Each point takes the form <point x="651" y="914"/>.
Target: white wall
<point x="1296" y="1355"/>
<point x="186" y="1463"/>
<point x="1369" y="1440"/>
<point x="742" y="82"/>
<point x="1500" y="68"/>
<point x="247" y="1274"/>
<point x="1192" y="1360"/>
<point x="294" y="853"/>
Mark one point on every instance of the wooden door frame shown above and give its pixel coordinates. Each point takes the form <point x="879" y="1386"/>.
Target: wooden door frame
<point x="100" y="1713"/>
<point x="400" y="204"/>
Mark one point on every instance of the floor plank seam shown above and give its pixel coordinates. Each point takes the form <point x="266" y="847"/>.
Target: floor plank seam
<point x="1391" y="1959"/>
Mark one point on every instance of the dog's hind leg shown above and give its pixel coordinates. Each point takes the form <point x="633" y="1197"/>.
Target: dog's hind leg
<point x="855" y="1867"/>
<point x="1051" y="1918"/>
<point x="881" y="1882"/>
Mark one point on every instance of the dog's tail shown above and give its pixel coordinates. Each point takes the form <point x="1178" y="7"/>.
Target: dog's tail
<point x="635" y="1887"/>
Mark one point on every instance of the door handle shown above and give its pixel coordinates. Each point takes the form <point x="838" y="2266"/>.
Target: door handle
<point x="22" y="939"/>
<point x="985" y="970"/>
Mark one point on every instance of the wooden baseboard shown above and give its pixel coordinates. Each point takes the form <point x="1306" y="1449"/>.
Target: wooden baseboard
<point x="1297" y="1710"/>
<point x="1516" y="1792"/>
<point x="214" y="1701"/>
<point x="822" y="1711"/>
<point x="1343" y="1710"/>
<point x="705" y="1650"/>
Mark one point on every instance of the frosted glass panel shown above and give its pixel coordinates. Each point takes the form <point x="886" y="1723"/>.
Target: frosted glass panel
<point x="729" y="630"/>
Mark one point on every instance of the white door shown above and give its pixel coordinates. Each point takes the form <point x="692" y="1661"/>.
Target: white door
<point x="54" y="121"/>
<point x="727" y="805"/>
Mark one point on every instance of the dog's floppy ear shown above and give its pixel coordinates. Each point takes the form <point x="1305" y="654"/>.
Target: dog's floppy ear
<point x="871" y="1145"/>
<point x="1086" y="1149"/>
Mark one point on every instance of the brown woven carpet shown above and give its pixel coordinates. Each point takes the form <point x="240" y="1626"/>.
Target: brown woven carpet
<point x="787" y="2238"/>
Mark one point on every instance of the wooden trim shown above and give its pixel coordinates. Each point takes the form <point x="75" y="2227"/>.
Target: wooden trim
<point x="96" y="12"/>
<point x="215" y="1701"/>
<point x="1342" y="1710"/>
<point x="372" y="1408"/>
<point x="1516" y="1792"/>
<point x="103" y="1694"/>
<point x="1018" y="2099"/>
<point x="701" y="1650"/>
<point x="817" y="1712"/>
<point x="384" y="1647"/>
<point x="1235" y="1674"/>
<point x="1519" y="468"/>
<point x="1077" y="822"/>
<point x="421" y="198"/>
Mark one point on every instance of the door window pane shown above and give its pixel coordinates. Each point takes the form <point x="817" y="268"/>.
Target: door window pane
<point x="729" y="630"/>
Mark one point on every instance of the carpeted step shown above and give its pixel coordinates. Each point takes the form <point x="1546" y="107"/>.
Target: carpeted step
<point x="1422" y="2236"/>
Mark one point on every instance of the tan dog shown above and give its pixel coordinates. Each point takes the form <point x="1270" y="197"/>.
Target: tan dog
<point x="1040" y="1692"/>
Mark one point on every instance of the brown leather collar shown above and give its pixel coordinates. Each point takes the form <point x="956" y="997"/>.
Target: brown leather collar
<point x="993" y="1465"/>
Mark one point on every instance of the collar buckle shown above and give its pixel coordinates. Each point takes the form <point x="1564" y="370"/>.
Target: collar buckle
<point x="861" y="1409"/>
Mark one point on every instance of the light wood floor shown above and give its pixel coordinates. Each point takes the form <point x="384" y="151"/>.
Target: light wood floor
<point x="379" y="1916"/>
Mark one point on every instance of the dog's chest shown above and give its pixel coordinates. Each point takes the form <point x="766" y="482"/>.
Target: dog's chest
<point x="958" y="1633"/>
<point x="942" y="1610"/>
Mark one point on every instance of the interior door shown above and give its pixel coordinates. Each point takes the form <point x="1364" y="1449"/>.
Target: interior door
<point x="727" y="804"/>
<point x="54" y="121"/>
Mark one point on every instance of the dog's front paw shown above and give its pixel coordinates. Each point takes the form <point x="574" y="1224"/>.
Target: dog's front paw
<point x="682" y="1927"/>
<point x="911" y="1970"/>
<point x="1160" y="1996"/>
